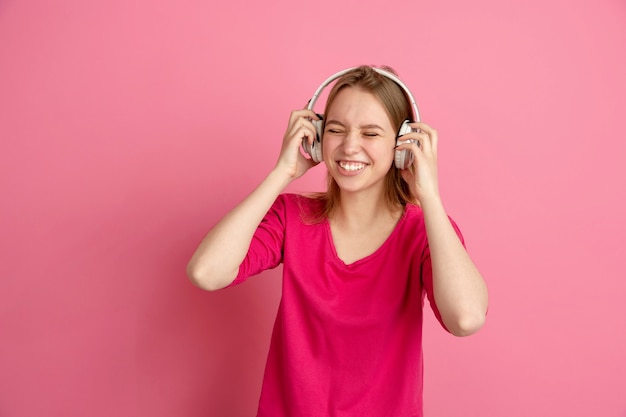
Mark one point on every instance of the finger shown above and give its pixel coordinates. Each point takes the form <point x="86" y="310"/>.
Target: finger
<point x="306" y="113"/>
<point x="305" y="133"/>
<point x="432" y="133"/>
<point x="410" y="145"/>
<point x="299" y="122"/>
<point x="424" y="127"/>
<point x="407" y="143"/>
<point x="301" y="114"/>
<point x="297" y="114"/>
<point x="427" y="143"/>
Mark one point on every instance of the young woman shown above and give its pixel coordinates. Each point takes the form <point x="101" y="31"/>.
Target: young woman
<point x="357" y="259"/>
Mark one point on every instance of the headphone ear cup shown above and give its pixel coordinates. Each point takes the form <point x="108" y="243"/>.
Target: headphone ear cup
<point x="315" y="149"/>
<point x="403" y="158"/>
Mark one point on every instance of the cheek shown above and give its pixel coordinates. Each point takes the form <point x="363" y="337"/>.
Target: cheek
<point x="329" y="143"/>
<point x="385" y="151"/>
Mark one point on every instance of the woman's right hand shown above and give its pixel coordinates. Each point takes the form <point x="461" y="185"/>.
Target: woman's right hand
<point x="291" y="160"/>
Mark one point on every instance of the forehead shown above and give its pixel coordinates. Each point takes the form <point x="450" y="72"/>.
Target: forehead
<point x="355" y="105"/>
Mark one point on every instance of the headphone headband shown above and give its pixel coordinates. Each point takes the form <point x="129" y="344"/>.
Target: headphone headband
<point x="403" y="158"/>
<point x="382" y="72"/>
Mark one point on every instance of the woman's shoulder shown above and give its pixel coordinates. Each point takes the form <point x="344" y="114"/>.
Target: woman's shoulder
<point x="414" y="217"/>
<point x="308" y="207"/>
<point x="300" y="199"/>
<point x="413" y="213"/>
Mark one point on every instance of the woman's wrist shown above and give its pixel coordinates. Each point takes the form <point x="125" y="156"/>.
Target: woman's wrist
<point x="280" y="176"/>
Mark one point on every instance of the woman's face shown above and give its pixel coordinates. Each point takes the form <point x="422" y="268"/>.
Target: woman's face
<point x="358" y="142"/>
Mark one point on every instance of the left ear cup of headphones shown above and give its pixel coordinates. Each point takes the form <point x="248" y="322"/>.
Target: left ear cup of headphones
<point x="403" y="158"/>
<point x="315" y="149"/>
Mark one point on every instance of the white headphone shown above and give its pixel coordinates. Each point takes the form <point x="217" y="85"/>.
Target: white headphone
<point x="403" y="158"/>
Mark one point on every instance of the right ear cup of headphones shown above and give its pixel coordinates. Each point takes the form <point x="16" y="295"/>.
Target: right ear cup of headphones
<point x="403" y="158"/>
<point x="315" y="149"/>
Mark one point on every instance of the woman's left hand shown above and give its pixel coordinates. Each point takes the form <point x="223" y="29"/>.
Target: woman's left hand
<point x="421" y="175"/>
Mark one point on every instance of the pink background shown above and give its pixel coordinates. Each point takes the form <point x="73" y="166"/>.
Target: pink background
<point x="128" y="128"/>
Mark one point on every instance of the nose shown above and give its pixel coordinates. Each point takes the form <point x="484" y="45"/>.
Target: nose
<point x="351" y="142"/>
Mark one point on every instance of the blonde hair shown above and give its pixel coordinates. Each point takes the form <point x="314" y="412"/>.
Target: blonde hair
<point x="396" y="104"/>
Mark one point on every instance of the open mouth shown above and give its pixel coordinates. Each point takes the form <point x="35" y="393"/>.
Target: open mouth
<point x="351" y="166"/>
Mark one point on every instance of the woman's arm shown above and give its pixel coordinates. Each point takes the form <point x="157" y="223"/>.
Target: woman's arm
<point x="458" y="287"/>
<point x="215" y="263"/>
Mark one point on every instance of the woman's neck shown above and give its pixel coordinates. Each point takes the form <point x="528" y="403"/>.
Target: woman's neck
<point x="358" y="210"/>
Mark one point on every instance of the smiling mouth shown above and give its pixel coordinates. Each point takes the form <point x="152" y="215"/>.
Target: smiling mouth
<point x="351" y="166"/>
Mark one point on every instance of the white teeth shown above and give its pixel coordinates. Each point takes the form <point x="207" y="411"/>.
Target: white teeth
<point x="351" y="166"/>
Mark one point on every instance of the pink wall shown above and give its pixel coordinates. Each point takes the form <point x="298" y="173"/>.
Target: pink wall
<point x="128" y="128"/>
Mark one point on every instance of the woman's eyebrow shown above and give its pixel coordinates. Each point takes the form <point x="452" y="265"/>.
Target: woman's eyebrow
<point x="367" y="126"/>
<point x="371" y="126"/>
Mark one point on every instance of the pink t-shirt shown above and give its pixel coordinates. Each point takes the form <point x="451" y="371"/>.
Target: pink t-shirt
<point x="347" y="340"/>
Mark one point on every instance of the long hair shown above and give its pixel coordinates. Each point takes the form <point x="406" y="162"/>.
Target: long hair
<point x="396" y="103"/>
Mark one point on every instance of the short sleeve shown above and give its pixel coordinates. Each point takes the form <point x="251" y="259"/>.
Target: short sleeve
<point x="266" y="248"/>
<point x="427" y="275"/>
